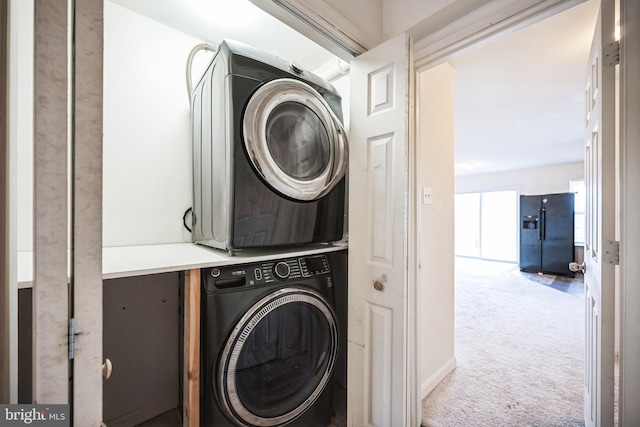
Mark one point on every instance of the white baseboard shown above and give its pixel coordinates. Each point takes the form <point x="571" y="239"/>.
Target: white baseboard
<point x="432" y="382"/>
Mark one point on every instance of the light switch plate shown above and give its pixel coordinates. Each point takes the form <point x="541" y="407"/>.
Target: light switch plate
<point x="427" y="199"/>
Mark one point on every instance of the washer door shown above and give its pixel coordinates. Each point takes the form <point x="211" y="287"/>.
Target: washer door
<point x="294" y="140"/>
<point x="278" y="358"/>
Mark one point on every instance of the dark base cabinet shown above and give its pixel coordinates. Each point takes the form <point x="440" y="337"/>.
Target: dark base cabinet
<point x="25" y="346"/>
<point x="140" y="337"/>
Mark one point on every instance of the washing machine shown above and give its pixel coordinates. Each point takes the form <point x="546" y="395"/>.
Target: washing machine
<point x="269" y="153"/>
<point x="270" y="343"/>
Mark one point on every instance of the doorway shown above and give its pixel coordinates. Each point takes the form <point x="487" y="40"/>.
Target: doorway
<point x="495" y="159"/>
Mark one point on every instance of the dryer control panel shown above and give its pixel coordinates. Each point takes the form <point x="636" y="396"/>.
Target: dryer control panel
<point x="281" y="270"/>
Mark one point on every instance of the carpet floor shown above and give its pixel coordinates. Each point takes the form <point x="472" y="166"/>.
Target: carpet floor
<point x="519" y="351"/>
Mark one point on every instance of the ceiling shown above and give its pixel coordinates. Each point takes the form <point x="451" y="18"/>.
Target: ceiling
<point x="519" y="100"/>
<point x="212" y="21"/>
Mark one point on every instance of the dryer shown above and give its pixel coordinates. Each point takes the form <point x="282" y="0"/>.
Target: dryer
<point x="269" y="153"/>
<point x="270" y="342"/>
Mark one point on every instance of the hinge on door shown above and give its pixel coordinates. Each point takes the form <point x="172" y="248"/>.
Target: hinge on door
<point x="612" y="252"/>
<point x="72" y="338"/>
<point x="612" y="54"/>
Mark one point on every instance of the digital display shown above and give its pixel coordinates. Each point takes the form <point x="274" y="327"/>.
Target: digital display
<point x="316" y="265"/>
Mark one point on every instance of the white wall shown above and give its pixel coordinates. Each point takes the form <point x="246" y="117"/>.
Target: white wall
<point x="147" y="139"/>
<point x="147" y="144"/>
<point x="22" y="119"/>
<point x="147" y="154"/>
<point x="147" y="135"/>
<point x="544" y="180"/>
<point x="436" y="221"/>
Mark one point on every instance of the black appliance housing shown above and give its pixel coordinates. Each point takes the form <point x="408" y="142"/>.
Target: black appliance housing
<point x="547" y="233"/>
<point x="270" y="343"/>
<point x="266" y="134"/>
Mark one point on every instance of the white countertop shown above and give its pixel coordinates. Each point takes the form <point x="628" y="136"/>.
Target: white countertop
<point x="128" y="261"/>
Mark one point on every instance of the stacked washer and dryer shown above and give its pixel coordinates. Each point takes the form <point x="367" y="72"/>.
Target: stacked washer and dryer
<point x="269" y="160"/>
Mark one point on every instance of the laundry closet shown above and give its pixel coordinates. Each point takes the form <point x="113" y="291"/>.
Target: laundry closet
<point x="147" y="194"/>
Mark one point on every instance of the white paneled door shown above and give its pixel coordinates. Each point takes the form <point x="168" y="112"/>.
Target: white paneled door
<point x="380" y="367"/>
<point x="600" y="247"/>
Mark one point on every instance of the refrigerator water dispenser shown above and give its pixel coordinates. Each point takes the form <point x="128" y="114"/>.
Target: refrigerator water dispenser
<point x="530" y="222"/>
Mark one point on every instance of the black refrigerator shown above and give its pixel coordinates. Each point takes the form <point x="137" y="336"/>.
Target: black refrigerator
<point x="546" y="233"/>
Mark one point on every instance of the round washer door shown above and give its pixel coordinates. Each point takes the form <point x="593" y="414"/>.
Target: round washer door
<point x="278" y="359"/>
<point x="294" y="140"/>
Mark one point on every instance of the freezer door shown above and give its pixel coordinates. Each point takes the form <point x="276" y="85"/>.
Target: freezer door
<point x="557" y="229"/>
<point x="530" y="233"/>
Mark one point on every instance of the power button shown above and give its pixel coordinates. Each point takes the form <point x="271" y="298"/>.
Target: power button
<point x="215" y="272"/>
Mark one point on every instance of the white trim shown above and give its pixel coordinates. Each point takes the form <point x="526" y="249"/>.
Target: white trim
<point x="12" y="192"/>
<point x="131" y="261"/>
<point x="629" y="411"/>
<point x="322" y="24"/>
<point x="481" y="26"/>
<point x="413" y="407"/>
<point x="432" y="382"/>
<point x="7" y="320"/>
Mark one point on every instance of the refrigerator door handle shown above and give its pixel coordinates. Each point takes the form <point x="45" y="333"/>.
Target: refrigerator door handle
<point x="543" y="225"/>
<point x="539" y="220"/>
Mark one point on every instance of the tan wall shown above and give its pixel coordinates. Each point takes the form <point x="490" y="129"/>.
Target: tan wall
<point x="436" y="221"/>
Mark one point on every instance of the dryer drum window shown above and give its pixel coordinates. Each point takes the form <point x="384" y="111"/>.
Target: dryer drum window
<point x="278" y="359"/>
<point x="297" y="141"/>
<point x="294" y="140"/>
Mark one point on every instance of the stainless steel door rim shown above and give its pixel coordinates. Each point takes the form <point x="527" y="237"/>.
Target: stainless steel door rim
<point x="232" y="402"/>
<point x="269" y="103"/>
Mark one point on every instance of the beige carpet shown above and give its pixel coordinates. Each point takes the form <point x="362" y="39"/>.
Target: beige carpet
<point x="519" y="350"/>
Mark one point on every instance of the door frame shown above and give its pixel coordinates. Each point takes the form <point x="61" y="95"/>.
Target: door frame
<point x="7" y="300"/>
<point x="629" y="155"/>
<point x="443" y="45"/>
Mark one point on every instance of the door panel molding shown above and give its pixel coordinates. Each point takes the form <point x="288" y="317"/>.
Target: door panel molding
<point x="380" y="212"/>
<point x="378" y="362"/>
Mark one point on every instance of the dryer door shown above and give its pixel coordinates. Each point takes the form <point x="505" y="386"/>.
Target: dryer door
<point x="294" y="140"/>
<point x="278" y="358"/>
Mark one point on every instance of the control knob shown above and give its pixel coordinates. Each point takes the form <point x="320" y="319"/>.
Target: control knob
<point x="282" y="270"/>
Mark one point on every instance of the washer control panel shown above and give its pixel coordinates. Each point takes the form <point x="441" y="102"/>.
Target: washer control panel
<point x="265" y="272"/>
<point x="313" y="265"/>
